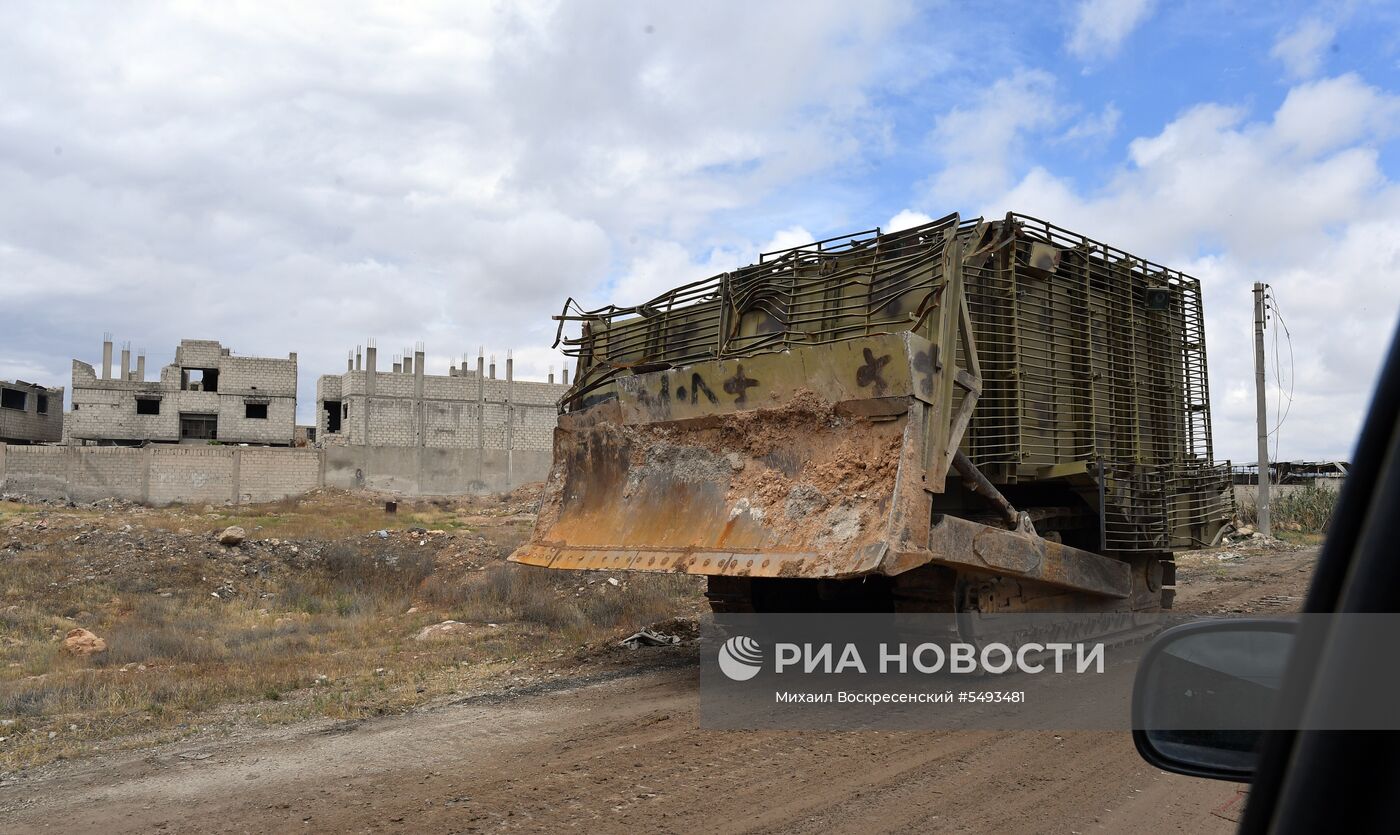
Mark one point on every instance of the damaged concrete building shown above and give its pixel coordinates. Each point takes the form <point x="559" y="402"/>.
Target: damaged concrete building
<point x="404" y="430"/>
<point x="30" y="413"/>
<point x="207" y="394"/>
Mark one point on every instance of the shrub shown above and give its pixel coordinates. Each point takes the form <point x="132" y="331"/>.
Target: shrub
<point x="175" y="643"/>
<point x="354" y="581"/>
<point x="350" y="568"/>
<point x="1307" y="509"/>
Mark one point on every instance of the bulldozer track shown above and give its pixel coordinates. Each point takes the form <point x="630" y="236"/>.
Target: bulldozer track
<point x="941" y="591"/>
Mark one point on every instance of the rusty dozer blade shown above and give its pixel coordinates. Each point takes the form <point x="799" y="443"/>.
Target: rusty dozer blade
<point x="814" y="462"/>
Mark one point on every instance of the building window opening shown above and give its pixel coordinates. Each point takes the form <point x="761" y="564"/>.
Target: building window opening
<point x="42" y="403"/>
<point x="198" y="427"/>
<point x="147" y="406"/>
<point x="13" y="399"/>
<point x="332" y="408"/>
<point x="199" y="379"/>
<point x="255" y="411"/>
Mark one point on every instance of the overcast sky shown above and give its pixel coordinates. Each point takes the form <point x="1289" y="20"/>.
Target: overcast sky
<point x="300" y="177"/>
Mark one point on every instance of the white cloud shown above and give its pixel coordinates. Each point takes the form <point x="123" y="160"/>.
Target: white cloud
<point x="1094" y="129"/>
<point x="1323" y="115"/>
<point x="298" y="178"/>
<point x="1298" y="201"/>
<point x="1302" y="48"/>
<point x="793" y="236"/>
<point x="1101" y="26"/>
<point x="980" y="143"/>
<point x="663" y="265"/>
<point x="907" y="219"/>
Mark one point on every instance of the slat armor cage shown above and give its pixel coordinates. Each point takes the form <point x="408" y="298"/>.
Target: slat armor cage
<point x="1092" y="360"/>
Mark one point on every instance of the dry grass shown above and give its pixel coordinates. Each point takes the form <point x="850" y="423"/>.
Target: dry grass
<point x="9" y="510"/>
<point x="576" y="606"/>
<point x="323" y="515"/>
<point x="333" y="639"/>
<point x="328" y="515"/>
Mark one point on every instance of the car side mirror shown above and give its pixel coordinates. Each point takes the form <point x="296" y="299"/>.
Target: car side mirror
<point x="1204" y="693"/>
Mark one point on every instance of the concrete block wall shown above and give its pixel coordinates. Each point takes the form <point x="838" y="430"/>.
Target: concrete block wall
<point x="424" y="471"/>
<point x="267" y="474"/>
<point x="277" y="427"/>
<point x="455" y="411"/>
<point x="106" y="409"/>
<point x="1248" y="494"/>
<point x="35" y="470"/>
<point x="29" y="424"/>
<point x="198" y="353"/>
<point x="450" y="425"/>
<point x="391" y="385"/>
<point x="450" y="388"/>
<point x="327" y="388"/>
<point x="157" y="474"/>
<point x="493" y="428"/>
<point x="535" y="430"/>
<point x="189" y="474"/>
<point x="169" y="377"/>
<point x="258" y="375"/>
<point x="536" y="393"/>
<point x="415" y="433"/>
<point x="63" y="472"/>
<point x="391" y="422"/>
<point x="106" y="473"/>
<point x="161" y="474"/>
<point x="352" y="422"/>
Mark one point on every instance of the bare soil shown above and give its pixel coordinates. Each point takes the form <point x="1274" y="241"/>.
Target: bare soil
<point x="330" y="608"/>
<point x="610" y="743"/>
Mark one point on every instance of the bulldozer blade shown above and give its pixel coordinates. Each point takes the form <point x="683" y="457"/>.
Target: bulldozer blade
<point x="798" y="464"/>
<point x="793" y="482"/>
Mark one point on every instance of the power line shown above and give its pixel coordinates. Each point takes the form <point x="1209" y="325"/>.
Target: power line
<point x="1280" y="408"/>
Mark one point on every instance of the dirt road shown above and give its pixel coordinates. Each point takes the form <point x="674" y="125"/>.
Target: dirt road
<point x="624" y="753"/>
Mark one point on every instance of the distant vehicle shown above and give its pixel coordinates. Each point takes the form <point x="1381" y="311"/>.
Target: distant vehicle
<point x="1303" y="780"/>
<point x="967" y="416"/>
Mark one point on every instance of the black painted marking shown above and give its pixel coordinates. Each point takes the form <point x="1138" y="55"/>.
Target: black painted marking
<point x="870" y="373"/>
<point x="697" y="385"/>
<point x="739" y="385"/>
<point x="924" y="362"/>
<point x="659" y="405"/>
<point x="595" y="399"/>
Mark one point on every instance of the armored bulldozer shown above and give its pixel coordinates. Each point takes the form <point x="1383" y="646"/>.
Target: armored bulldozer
<point x="968" y="416"/>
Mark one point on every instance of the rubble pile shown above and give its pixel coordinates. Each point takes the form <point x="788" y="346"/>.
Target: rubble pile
<point x="1246" y="538"/>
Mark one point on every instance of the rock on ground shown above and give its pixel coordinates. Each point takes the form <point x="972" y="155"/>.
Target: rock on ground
<point x="233" y="535"/>
<point x="446" y="629"/>
<point x="79" y="641"/>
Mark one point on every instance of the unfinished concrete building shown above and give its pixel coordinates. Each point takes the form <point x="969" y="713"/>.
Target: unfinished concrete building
<point x="207" y="394"/>
<point x="406" y="430"/>
<point x="30" y="413"/>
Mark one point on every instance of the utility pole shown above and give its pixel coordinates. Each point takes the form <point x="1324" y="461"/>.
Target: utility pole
<point x="1261" y="416"/>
